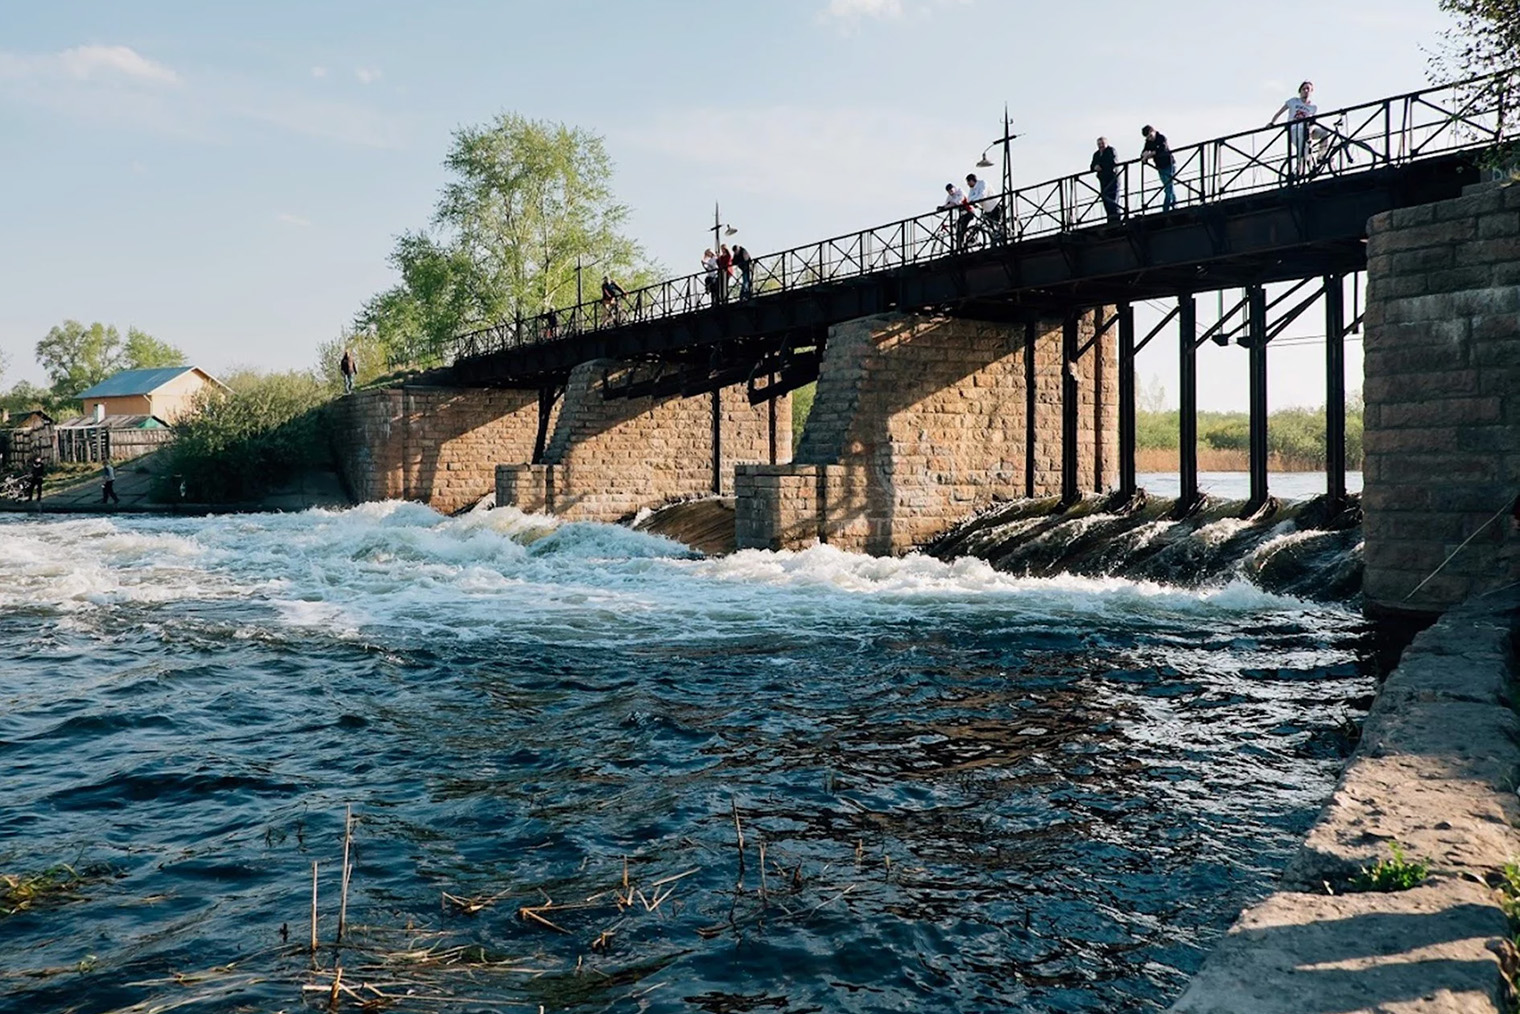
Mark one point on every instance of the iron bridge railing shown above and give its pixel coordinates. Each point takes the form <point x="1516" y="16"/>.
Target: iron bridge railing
<point x="1465" y="116"/>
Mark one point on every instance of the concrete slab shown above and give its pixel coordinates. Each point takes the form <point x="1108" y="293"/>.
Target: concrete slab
<point x="1424" y="951"/>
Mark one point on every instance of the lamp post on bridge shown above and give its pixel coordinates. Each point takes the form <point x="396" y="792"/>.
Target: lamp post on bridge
<point x="984" y="163"/>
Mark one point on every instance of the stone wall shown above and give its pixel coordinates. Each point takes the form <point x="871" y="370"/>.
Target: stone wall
<point x="1442" y="424"/>
<point x="608" y="458"/>
<point x="918" y="422"/>
<point x="438" y="445"/>
<point x="1434" y="771"/>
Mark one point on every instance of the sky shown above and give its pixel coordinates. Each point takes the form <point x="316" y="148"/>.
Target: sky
<point x="230" y="177"/>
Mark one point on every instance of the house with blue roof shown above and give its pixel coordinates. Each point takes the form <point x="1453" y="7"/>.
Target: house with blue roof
<point x="163" y="393"/>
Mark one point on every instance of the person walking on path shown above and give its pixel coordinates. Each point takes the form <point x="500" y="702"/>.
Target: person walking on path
<point x="108" y="485"/>
<point x="746" y="265"/>
<point x="1300" y="110"/>
<point x="36" y="469"/>
<point x="349" y="367"/>
<point x="1159" y="154"/>
<point x="1105" y="164"/>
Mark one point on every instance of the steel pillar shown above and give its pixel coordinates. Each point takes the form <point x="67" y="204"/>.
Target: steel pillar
<point x="1097" y="398"/>
<point x="1031" y="332"/>
<point x="1256" y="345"/>
<point x="1187" y="416"/>
<point x="1126" y="401"/>
<point x="717" y="440"/>
<point x="771" y="415"/>
<point x="1070" y="488"/>
<point x="1335" y="389"/>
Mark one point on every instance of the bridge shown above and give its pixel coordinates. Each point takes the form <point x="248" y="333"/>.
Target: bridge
<point x="1283" y="204"/>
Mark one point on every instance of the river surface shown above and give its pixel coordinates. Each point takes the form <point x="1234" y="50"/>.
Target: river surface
<point x="974" y="791"/>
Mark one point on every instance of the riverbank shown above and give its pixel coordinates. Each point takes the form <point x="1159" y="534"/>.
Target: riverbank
<point x="1434" y="772"/>
<point x="78" y="491"/>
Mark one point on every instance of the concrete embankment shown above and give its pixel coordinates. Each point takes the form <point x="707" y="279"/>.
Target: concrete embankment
<point x="1435" y="772"/>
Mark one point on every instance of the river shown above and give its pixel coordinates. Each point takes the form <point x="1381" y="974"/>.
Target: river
<point x="974" y="791"/>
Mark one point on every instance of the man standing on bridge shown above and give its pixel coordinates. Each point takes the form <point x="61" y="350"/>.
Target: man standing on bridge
<point x="1159" y="154"/>
<point x="1105" y="164"/>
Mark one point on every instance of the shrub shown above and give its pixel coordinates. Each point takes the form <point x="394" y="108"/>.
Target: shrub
<point x="238" y="445"/>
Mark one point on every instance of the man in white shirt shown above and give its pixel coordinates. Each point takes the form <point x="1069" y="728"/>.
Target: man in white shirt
<point x="976" y="197"/>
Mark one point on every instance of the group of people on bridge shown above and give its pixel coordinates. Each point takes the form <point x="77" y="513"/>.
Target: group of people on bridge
<point x="975" y="207"/>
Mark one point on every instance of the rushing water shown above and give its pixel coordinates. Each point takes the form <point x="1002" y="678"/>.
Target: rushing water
<point x="975" y="791"/>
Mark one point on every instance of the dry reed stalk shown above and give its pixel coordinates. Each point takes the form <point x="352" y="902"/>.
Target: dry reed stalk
<point x="533" y="913"/>
<point x="332" y="997"/>
<point x="674" y="877"/>
<point x="762" y="871"/>
<point x="348" y="838"/>
<point x="469" y="906"/>
<point x="313" y="908"/>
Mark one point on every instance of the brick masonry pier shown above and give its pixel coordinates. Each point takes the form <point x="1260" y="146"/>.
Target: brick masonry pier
<point x="438" y="445"/>
<point x="918" y="421"/>
<point x="608" y="458"/>
<point x="1442" y="424"/>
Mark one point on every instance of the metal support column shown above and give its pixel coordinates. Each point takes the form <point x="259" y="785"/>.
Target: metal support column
<point x="1256" y="345"/>
<point x="771" y="416"/>
<point x="1335" y="389"/>
<point x="717" y="440"/>
<point x="1187" y="417"/>
<point x="1097" y="399"/>
<point x="1031" y="332"/>
<point x="1126" y="401"/>
<point x="1070" y="489"/>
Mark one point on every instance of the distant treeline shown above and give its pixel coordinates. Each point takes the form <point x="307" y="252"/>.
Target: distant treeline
<point x="1296" y="436"/>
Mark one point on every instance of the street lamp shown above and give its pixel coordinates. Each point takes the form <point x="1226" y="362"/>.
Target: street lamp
<point x="985" y="163"/>
<point x="719" y="226"/>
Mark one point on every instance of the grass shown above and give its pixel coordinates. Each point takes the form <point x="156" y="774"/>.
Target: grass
<point x="1387" y="875"/>
<point x="54" y="885"/>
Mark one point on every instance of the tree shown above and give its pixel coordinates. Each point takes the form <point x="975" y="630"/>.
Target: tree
<point x="76" y="357"/>
<point x="527" y="199"/>
<point x="143" y="351"/>
<point x="1485" y="39"/>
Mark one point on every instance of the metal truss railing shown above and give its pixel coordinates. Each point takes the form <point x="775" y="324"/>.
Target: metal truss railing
<point x="1466" y="116"/>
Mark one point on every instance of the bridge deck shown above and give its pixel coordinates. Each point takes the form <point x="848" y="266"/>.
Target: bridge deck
<point x="1251" y="209"/>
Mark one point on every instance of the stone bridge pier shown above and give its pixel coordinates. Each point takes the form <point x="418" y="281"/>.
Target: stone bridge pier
<point x="919" y="421"/>
<point x="607" y="458"/>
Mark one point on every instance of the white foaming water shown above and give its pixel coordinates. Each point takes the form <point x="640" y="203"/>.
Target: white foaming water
<point x="400" y="568"/>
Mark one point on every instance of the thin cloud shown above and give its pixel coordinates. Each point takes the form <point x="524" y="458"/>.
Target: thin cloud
<point x="367" y="75"/>
<point x="857" y="10"/>
<point x="319" y="72"/>
<point x="287" y="218"/>
<point x="847" y="15"/>
<point x="98" y="64"/>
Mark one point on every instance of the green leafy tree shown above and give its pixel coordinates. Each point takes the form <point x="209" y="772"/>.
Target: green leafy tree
<point x="76" y="356"/>
<point x="1485" y="38"/>
<point x="143" y="351"/>
<point x="528" y="200"/>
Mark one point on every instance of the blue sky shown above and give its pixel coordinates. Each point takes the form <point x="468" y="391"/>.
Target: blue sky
<point x="229" y="177"/>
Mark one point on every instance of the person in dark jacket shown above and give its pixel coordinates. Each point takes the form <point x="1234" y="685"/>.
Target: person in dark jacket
<point x="746" y="265"/>
<point x="36" y="469"/>
<point x="1159" y="154"/>
<point x="1105" y="164"/>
